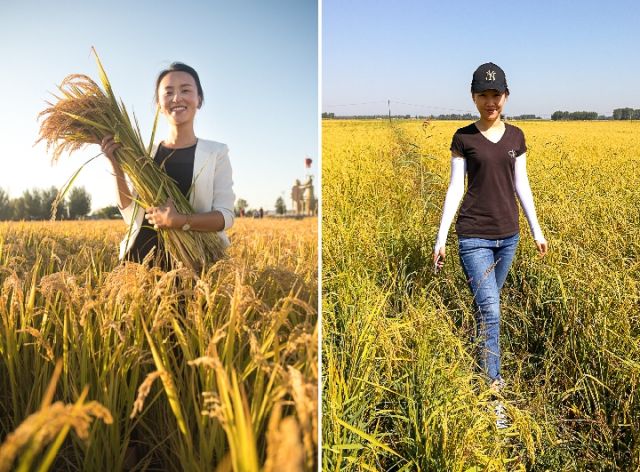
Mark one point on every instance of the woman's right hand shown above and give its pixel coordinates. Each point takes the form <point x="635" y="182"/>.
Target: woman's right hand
<point x="438" y="258"/>
<point x="109" y="146"/>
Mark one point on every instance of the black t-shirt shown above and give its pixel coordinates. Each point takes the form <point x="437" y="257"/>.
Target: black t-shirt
<point x="178" y="164"/>
<point x="489" y="209"/>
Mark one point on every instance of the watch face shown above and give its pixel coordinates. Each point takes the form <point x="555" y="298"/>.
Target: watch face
<point x="186" y="227"/>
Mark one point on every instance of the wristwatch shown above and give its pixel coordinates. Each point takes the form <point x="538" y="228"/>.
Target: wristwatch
<point x="187" y="225"/>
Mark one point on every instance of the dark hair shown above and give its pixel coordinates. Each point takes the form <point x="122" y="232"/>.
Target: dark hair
<point x="181" y="67"/>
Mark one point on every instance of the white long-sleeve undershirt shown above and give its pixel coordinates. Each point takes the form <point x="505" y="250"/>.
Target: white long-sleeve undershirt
<point x="523" y="190"/>
<point x="455" y="192"/>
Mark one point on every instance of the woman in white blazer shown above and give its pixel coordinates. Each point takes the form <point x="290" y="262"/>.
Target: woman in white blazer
<point x="201" y="169"/>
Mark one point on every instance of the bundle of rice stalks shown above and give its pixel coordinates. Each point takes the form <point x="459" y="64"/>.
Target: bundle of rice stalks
<point x="84" y="114"/>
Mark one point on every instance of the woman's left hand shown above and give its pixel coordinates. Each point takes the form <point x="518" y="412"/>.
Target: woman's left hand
<point x="165" y="216"/>
<point x="542" y="246"/>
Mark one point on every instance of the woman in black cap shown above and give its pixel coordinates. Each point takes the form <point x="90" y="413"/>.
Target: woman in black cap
<point x="492" y="154"/>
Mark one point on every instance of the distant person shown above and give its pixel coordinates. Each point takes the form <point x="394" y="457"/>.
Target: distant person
<point x="492" y="155"/>
<point x="308" y="197"/>
<point x="261" y="213"/>
<point x="185" y="158"/>
<point x="297" y="197"/>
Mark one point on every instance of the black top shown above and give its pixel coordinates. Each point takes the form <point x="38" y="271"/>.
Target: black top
<point x="178" y="164"/>
<point x="489" y="209"/>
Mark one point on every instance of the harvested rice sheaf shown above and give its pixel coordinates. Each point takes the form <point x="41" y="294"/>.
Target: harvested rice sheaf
<point x="84" y="114"/>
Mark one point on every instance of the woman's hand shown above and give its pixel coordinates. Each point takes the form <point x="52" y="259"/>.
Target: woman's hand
<point x="109" y="146"/>
<point x="542" y="246"/>
<point x="165" y="216"/>
<point x="438" y="258"/>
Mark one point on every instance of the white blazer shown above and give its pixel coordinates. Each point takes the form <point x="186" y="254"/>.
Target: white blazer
<point x="212" y="189"/>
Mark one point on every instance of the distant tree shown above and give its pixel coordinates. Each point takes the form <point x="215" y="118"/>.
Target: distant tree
<point x="455" y="116"/>
<point x="6" y="209"/>
<point x="30" y="205"/>
<point x="559" y="115"/>
<point x="79" y="203"/>
<point x="622" y="113"/>
<point x="587" y="115"/>
<point x="525" y="117"/>
<point x="18" y="209"/>
<point x="107" y="213"/>
<point x="626" y="114"/>
<point x="575" y="115"/>
<point x="241" y="204"/>
<point x="281" y="208"/>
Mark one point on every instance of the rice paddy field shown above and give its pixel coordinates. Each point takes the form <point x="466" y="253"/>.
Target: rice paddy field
<point x="400" y="391"/>
<point x="109" y="367"/>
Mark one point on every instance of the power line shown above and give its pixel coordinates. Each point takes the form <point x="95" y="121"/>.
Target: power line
<point x="356" y="104"/>
<point x="390" y="102"/>
<point x="415" y="105"/>
<point x="434" y="107"/>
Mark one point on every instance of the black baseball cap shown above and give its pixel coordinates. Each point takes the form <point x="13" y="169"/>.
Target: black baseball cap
<point x="489" y="77"/>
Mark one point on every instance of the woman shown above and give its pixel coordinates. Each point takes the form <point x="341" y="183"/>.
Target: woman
<point x="492" y="154"/>
<point x="201" y="169"/>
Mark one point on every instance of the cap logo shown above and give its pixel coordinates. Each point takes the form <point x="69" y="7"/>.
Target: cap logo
<point x="491" y="75"/>
<point x="512" y="154"/>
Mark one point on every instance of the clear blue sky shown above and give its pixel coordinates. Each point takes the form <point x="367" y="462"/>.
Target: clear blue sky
<point x="257" y="60"/>
<point x="557" y="55"/>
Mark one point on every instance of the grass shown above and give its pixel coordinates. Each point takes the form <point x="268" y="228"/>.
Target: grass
<point x="198" y="372"/>
<point x="400" y="388"/>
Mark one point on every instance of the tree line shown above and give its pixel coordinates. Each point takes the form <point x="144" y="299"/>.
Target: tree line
<point x="37" y="204"/>
<point x="626" y="114"/>
<point x="574" y="115"/>
<point x="618" y="114"/>
<point x="241" y="207"/>
<point x="453" y="116"/>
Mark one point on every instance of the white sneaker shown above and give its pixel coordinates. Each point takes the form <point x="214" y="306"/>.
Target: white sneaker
<point x="502" y="422"/>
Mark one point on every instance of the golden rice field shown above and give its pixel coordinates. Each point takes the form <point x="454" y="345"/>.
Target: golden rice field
<point x="400" y="391"/>
<point x="157" y="371"/>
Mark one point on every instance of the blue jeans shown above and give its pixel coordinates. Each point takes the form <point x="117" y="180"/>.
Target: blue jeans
<point x="485" y="263"/>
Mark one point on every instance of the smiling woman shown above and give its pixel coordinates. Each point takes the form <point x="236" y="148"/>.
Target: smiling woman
<point x="492" y="155"/>
<point x="201" y="169"/>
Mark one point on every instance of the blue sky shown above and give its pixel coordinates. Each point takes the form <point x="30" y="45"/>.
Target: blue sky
<point x="557" y="55"/>
<point x="257" y="61"/>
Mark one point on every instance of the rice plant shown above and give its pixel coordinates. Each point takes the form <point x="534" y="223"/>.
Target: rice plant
<point x="198" y="372"/>
<point x="400" y="388"/>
